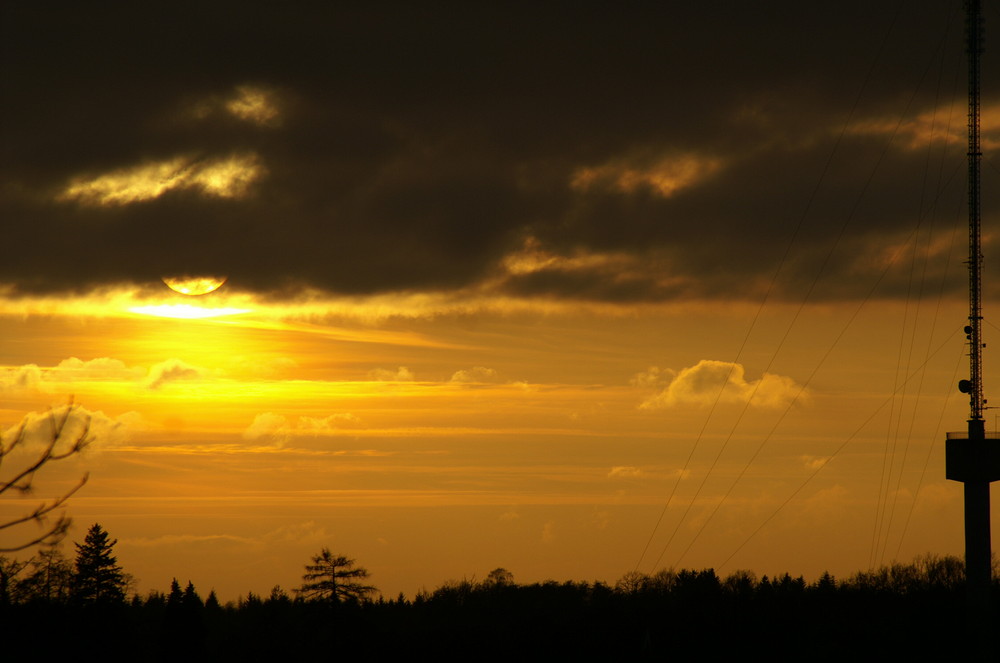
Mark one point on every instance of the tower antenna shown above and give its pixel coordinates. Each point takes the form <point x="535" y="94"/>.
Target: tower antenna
<point x="973" y="457"/>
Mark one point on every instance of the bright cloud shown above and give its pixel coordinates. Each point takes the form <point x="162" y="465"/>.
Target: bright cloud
<point x="664" y="176"/>
<point x="229" y="177"/>
<point x="709" y="380"/>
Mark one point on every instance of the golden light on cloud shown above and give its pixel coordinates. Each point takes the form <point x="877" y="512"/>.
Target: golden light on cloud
<point x="942" y="125"/>
<point x="194" y="285"/>
<point x="254" y="104"/>
<point x="665" y="176"/>
<point x="711" y="381"/>
<point x="229" y="177"/>
<point x="532" y="257"/>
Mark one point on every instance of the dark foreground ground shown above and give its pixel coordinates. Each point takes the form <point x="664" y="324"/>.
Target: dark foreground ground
<point x="690" y="615"/>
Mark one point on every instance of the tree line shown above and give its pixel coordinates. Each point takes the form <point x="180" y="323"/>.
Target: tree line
<point x="900" y="608"/>
<point x="96" y="578"/>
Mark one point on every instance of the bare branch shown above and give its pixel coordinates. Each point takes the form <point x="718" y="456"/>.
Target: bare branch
<point x="22" y="480"/>
<point x="44" y="509"/>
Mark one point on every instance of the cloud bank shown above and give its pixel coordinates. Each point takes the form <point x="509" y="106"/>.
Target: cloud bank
<point x="659" y="152"/>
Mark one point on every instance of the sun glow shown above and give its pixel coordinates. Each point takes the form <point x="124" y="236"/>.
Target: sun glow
<point x="186" y="311"/>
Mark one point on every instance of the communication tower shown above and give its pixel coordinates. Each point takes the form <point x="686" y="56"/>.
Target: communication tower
<point x="973" y="457"/>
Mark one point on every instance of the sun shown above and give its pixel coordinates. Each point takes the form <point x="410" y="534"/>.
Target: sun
<point x="194" y="285"/>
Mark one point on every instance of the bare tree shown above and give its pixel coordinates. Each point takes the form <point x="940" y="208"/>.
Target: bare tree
<point x="49" y="579"/>
<point x="334" y="578"/>
<point x="9" y="570"/>
<point x="60" y="444"/>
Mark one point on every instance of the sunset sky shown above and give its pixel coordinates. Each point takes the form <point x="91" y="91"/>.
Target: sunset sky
<point x="567" y="288"/>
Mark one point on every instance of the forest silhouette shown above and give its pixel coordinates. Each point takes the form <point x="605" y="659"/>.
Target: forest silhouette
<point x="49" y="604"/>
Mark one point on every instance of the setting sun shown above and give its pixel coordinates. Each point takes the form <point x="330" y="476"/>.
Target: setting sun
<point x="194" y="285"/>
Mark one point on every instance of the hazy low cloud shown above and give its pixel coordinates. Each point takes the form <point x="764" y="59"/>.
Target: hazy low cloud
<point x="75" y="370"/>
<point x="296" y="533"/>
<point x="318" y="426"/>
<point x="73" y="422"/>
<point x="401" y="374"/>
<point x="171" y="370"/>
<point x="474" y="375"/>
<point x="197" y="541"/>
<point x="814" y="462"/>
<point x="653" y="377"/>
<point x="624" y="471"/>
<point x="278" y="429"/>
<point x="101" y="368"/>
<point x="710" y="380"/>
<point x="21" y="378"/>
<point x="267" y="426"/>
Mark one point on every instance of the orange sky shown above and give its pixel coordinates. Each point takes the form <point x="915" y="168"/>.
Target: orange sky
<point x="548" y="442"/>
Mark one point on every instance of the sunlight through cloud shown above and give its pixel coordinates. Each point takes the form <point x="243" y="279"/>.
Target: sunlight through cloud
<point x="254" y="104"/>
<point x="185" y="311"/>
<point x="664" y="176"/>
<point x="229" y="177"/>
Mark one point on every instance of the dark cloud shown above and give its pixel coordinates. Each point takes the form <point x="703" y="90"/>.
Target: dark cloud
<point x="407" y="147"/>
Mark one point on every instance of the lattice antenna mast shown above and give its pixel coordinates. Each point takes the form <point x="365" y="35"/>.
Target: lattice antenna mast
<point x="973" y="457"/>
<point x="974" y="46"/>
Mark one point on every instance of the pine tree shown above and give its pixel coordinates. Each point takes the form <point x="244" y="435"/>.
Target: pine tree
<point x="98" y="577"/>
<point x="333" y="578"/>
<point x="176" y="596"/>
<point x="191" y="601"/>
<point x="212" y="602"/>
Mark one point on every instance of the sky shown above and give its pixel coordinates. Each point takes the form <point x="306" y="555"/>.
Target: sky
<point x="572" y="289"/>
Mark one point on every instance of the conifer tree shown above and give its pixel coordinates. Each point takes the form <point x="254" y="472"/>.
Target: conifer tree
<point x="190" y="600"/>
<point x="334" y="578"/>
<point x="175" y="597"/>
<point x="212" y="602"/>
<point x="98" y="577"/>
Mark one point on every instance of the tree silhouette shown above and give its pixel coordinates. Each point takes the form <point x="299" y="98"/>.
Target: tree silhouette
<point x="334" y="579"/>
<point x="98" y="577"/>
<point x="50" y="579"/>
<point x="9" y="569"/>
<point x="60" y="444"/>
<point x="499" y="577"/>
